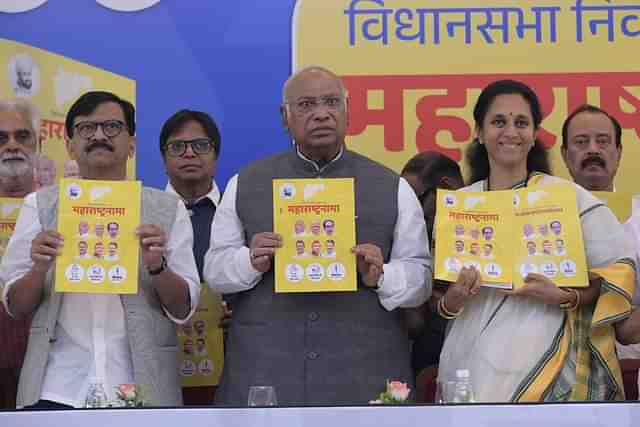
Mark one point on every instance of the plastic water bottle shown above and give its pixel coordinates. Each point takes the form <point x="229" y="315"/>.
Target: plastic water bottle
<point x="96" y="396"/>
<point x="463" y="390"/>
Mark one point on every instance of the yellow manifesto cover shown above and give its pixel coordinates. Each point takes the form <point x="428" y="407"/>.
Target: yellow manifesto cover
<point x="201" y="354"/>
<point x="9" y="210"/>
<point x="509" y="234"/>
<point x="101" y="251"/>
<point x="316" y="219"/>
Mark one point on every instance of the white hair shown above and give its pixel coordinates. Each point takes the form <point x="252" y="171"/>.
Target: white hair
<point x="23" y="62"/>
<point x="26" y="109"/>
<point x="311" y="69"/>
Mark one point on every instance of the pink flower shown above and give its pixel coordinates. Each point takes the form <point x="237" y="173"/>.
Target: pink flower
<point x="127" y="391"/>
<point x="398" y="390"/>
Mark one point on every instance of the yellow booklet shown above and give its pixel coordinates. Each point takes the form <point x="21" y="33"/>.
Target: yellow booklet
<point x="201" y="341"/>
<point x="9" y="210"/>
<point x="316" y="219"/>
<point x="620" y="203"/>
<point x="101" y="251"/>
<point x="509" y="234"/>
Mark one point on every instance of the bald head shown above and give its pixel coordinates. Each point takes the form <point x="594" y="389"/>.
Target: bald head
<point x="24" y="69"/>
<point x="314" y="111"/>
<point x="312" y="69"/>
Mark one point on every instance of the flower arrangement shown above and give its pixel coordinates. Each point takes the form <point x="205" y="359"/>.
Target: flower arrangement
<point x="397" y="393"/>
<point x="130" y="396"/>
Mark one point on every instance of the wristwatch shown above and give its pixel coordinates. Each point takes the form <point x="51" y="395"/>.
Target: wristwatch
<point x="163" y="266"/>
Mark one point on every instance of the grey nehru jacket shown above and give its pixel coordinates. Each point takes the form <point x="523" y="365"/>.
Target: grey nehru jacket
<point x="327" y="348"/>
<point x="152" y="336"/>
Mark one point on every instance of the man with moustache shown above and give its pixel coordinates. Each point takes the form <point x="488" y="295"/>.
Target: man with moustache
<point x="591" y="150"/>
<point x="318" y="348"/>
<point x="98" y="250"/>
<point x="474" y="249"/>
<point x="316" y="247"/>
<point x="592" y="147"/>
<point x="18" y="142"/>
<point x="136" y="331"/>
<point x="300" y="249"/>
<point x="19" y="125"/>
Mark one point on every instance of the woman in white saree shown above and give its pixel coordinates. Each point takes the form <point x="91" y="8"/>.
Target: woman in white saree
<point x="541" y="342"/>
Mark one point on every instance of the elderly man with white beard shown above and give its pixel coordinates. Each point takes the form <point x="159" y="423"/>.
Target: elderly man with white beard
<point x="19" y="124"/>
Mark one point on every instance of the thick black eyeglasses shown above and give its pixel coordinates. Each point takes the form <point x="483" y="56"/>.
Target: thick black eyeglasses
<point x="177" y="147"/>
<point x="111" y="128"/>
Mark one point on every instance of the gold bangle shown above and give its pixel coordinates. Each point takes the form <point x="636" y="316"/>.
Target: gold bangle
<point x="442" y="310"/>
<point x="441" y="313"/>
<point x="568" y="305"/>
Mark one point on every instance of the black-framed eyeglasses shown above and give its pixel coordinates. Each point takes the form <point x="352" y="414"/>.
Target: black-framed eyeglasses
<point x="305" y="106"/>
<point x="21" y="136"/>
<point x="177" y="147"/>
<point x="111" y="128"/>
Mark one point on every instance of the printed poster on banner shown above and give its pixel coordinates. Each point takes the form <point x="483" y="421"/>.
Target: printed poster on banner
<point x="9" y="210"/>
<point x="620" y="203"/>
<point x="53" y="83"/>
<point x="316" y="219"/>
<point x="508" y="234"/>
<point x="97" y="220"/>
<point x="201" y="340"/>
<point x="414" y="69"/>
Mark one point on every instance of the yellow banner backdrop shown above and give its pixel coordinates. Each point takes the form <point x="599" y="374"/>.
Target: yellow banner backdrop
<point x="415" y="68"/>
<point x="53" y="82"/>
